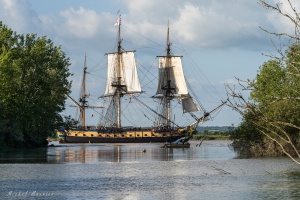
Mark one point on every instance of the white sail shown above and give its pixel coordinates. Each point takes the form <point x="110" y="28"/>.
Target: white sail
<point x="128" y="73"/>
<point x="177" y="81"/>
<point x="175" y="75"/>
<point x="189" y="105"/>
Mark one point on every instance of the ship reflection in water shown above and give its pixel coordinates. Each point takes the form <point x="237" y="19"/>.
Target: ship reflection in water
<point x="91" y="153"/>
<point x="95" y="153"/>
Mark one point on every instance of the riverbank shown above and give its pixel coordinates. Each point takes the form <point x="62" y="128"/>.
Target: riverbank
<point x="211" y="137"/>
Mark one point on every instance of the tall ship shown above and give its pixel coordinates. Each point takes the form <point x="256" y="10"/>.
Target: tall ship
<point x="123" y="82"/>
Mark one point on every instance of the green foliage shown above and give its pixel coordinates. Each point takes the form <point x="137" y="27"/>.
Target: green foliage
<point x="275" y="112"/>
<point x="67" y="122"/>
<point x="269" y="82"/>
<point x="276" y="88"/>
<point x="33" y="86"/>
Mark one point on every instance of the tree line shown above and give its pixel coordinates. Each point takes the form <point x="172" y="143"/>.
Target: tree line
<point x="33" y="88"/>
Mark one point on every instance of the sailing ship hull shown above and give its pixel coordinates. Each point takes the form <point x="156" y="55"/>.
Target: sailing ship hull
<point x="124" y="137"/>
<point x="75" y="139"/>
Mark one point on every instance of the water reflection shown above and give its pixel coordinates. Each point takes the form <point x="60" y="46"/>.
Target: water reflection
<point x="125" y="171"/>
<point x="90" y="153"/>
<point x="24" y="156"/>
<point x="94" y="153"/>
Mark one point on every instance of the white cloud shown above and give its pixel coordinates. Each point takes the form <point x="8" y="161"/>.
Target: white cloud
<point x="205" y="24"/>
<point x="18" y="16"/>
<point x="80" y="30"/>
<point x="82" y="23"/>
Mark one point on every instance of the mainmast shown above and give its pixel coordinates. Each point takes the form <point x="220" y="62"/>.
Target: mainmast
<point x="119" y="87"/>
<point x="122" y="79"/>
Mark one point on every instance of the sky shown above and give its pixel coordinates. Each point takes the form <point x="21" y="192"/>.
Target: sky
<point x="220" y="38"/>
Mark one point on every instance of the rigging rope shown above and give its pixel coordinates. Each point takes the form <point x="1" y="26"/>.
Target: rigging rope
<point x="194" y="63"/>
<point x="154" y="111"/>
<point x="143" y="36"/>
<point x="195" y="96"/>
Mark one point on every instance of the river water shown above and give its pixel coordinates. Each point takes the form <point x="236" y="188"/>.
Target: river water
<point x="144" y="171"/>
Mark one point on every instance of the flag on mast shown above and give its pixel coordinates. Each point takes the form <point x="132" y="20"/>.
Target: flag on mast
<point x="118" y="22"/>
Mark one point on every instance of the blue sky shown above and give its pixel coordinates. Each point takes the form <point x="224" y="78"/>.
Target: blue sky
<point x="221" y="38"/>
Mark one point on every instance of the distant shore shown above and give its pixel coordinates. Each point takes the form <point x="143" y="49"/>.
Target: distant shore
<point x="211" y="137"/>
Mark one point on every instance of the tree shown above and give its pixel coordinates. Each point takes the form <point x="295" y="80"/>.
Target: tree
<point x="273" y="106"/>
<point x="33" y="87"/>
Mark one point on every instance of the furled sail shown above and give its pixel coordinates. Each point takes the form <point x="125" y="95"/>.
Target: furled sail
<point x="128" y="73"/>
<point x="175" y="75"/>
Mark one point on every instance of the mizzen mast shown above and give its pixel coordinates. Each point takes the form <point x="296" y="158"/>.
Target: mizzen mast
<point x="83" y="103"/>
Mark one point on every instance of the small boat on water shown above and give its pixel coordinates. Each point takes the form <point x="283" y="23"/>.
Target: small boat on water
<point x="122" y="81"/>
<point x="180" y="143"/>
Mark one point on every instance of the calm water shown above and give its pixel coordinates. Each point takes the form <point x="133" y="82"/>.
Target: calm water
<point x="114" y="171"/>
